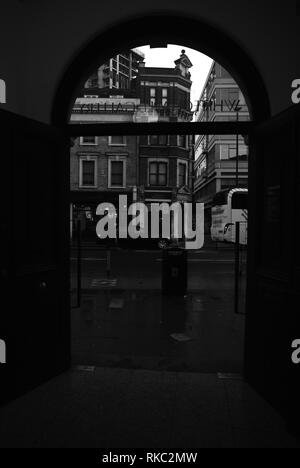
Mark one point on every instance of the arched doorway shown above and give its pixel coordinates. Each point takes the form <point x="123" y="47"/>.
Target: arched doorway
<point x="139" y="31"/>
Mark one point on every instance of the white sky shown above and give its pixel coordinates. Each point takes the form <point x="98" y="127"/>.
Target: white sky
<point x="164" y="57"/>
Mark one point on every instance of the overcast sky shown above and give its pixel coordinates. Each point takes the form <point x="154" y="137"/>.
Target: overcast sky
<point x="164" y="57"/>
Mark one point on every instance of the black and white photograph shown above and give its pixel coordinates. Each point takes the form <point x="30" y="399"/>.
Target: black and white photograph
<point x="149" y="254"/>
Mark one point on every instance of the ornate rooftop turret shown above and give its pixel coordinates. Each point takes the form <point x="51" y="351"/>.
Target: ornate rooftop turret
<point x="184" y="64"/>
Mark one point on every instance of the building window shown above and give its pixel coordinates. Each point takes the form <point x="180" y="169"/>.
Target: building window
<point x="182" y="141"/>
<point x="88" y="140"/>
<point x="232" y="151"/>
<point x="158" y="173"/>
<point x="243" y="150"/>
<point x="158" y="140"/>
<point x="117" y="140"/>
<point x="224" y="152"/>
<point x="124" y="82"/>
<point x="202" y="168"/>
<point x="229" y="151"/>
<point x="182" y="174"/>
<point x="152" y="96"/>
<point x="153" y="140"/>
<point x="87" y="172"/>
<point x="117" y="173"/>
<point x="164" y="99"/>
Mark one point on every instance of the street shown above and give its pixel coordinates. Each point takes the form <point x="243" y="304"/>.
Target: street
<point x="125" y="321"/>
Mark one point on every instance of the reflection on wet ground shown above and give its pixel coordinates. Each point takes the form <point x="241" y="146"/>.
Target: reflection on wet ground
<point x="144" y="329"/>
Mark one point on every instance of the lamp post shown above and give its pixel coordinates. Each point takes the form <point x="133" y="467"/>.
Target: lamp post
<point x="237" y="151"/>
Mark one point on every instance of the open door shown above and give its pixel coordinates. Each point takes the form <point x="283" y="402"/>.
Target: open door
<point x="34" y="320"/>
<point x="273" y="310"/>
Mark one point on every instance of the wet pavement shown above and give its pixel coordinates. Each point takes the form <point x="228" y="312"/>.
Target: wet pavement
<point x="125" y="320"/>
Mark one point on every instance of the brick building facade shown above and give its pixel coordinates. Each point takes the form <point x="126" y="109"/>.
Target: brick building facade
<point x="145" y="168"/>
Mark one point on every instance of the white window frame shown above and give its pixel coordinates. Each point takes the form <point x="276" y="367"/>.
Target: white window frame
<point x="88" y="158"/>
<point x="157" y="160"/>
<point x="186" y="164"/>
<point x="82" y="143"/>
<point x="117" y="158"/>
<point x="117" y="144"/>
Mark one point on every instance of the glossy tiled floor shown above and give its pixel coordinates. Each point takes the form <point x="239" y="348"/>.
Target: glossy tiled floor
<point x="107" y="408"/>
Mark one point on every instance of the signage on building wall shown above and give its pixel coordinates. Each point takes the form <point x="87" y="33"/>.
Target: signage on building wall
<point x="144" y="111"/>
<point x="111" y="105"/>
<point x="121" y="107"/>
<point x="224" y="105"/>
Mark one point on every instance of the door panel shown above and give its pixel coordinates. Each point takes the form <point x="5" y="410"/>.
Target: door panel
<point x="34" y="264"/>
<point x="273" y="318"/>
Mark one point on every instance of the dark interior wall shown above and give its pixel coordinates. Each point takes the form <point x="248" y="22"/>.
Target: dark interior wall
<point x="11" y="47"/>
<point x="38" y="40"/>
<point x="273" y="267"/>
